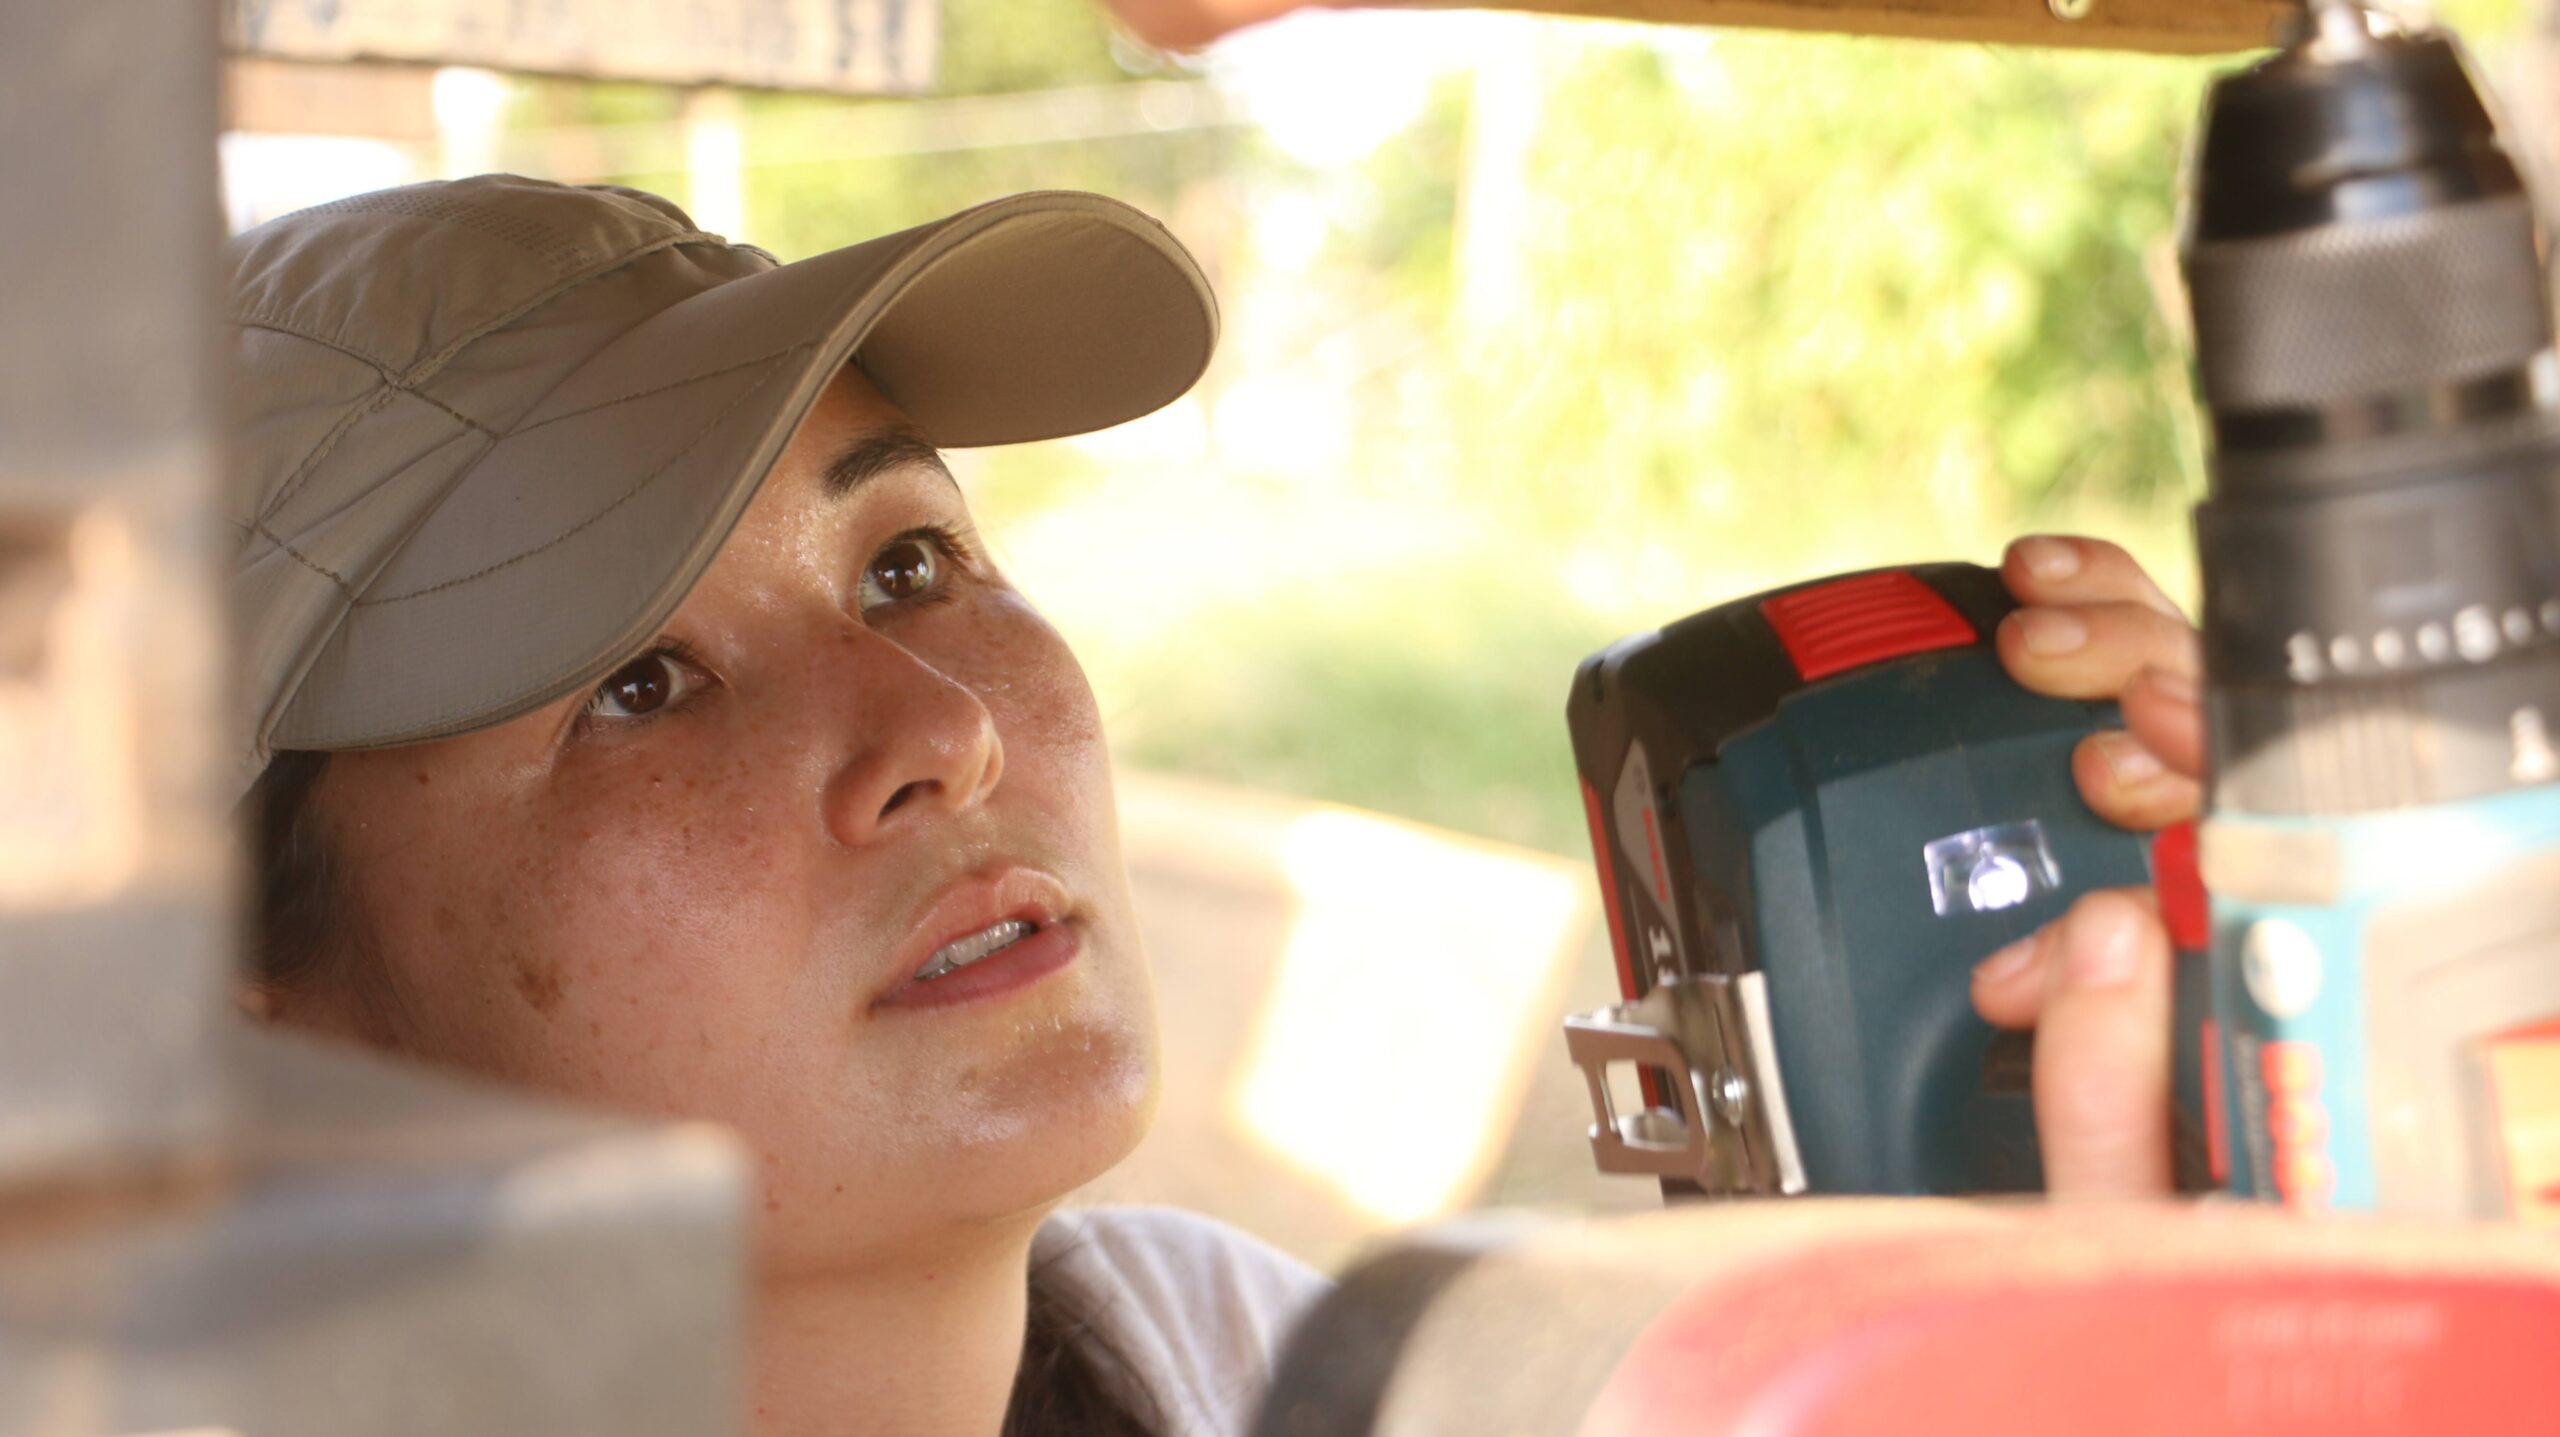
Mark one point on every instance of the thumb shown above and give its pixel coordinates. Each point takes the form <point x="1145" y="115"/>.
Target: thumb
<point x="2102" y="1051"/>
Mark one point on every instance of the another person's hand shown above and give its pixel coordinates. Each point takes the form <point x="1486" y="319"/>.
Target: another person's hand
<point x="2095" y="983"/>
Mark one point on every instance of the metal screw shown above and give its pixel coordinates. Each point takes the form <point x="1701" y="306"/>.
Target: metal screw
<point x="1731" y="1096"/>
<point x="2070" y="9"/>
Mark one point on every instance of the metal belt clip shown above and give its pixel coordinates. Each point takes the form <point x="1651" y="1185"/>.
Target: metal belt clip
<point x="1728" y="1131"/>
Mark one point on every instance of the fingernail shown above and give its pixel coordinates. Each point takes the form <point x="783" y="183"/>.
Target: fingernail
<point x="2127" y="759"/>
<point x="2105" y="959"/>
<point x="2051" y="631"/>
<point x="2049" y="558"/>
<point x="2172" y="684"/>
<point x="2005" y="963"/>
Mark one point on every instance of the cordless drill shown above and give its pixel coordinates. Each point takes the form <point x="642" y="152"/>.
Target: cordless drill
<point x="1813" y="810"/>
<point x="2381" y="563"/>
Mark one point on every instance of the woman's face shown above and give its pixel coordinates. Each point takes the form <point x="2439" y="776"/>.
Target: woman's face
<point x="708" y="888"/>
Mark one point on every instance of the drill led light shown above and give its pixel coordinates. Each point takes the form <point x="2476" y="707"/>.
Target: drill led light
<point x="1998" y="881"/>
<point x="1984" y="870"/>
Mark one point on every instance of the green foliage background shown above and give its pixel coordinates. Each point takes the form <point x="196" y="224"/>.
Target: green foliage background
<point x="1872" y="268"/>
<point x="1768" y="306"/>
<point x="1787" y="306"/>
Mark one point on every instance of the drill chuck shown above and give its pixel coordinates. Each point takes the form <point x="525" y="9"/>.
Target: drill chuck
<point x="2381" y="549"/>
<point x="2362" y="257"/>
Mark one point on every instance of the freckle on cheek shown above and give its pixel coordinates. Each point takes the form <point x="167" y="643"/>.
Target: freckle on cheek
<point x="537" y="981"/>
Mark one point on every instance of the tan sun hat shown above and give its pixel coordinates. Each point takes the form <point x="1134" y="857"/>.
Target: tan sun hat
<point x="491" y="431"/>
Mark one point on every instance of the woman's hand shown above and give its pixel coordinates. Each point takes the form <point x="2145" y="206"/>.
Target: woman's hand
<point x="2095" y="983"/>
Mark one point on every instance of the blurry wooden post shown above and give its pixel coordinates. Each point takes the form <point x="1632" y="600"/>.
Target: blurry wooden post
<point x="204" y="1227"/>
<point x="113" y="892"/>
<point x="2529" y="85"/>
<point x="469" y="106"/>
<point x="715" y="160"/>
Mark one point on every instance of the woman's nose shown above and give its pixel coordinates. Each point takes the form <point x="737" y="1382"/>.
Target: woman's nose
<point x="917" y="742"/>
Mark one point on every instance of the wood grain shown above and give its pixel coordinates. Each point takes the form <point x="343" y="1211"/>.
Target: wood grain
<point x="846" y="46"/>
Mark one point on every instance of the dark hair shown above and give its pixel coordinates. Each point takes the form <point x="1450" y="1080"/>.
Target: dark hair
<point x="1072" y="1381"/>
<point x="296" y="913"/>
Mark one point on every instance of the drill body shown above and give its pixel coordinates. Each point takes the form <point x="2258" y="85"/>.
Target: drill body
<point x="1813" y="811"/>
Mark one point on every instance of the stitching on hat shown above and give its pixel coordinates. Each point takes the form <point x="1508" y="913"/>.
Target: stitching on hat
<point x="438" y="405"/>
<point x="428" y="367"/>
<point x="272" y="316"/>
<point x="662" y="388"/>
<point x="311" y="462"/>
<point x="643" y="482"/>
<point x="385" y="372"/>
<point x="261" y="530"/>
<point x="406" y="382"/>
<point x="381" y="400"/>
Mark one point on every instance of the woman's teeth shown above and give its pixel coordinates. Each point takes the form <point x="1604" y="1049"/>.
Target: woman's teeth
<point x="954" y="956"/>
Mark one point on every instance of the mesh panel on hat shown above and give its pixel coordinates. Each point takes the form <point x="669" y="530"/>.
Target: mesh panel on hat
<point x="533" y="236"/>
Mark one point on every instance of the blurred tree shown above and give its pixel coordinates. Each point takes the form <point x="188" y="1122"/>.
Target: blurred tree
<point x="1733" y="308"/>
<point x="1625" y="322"/>
<point x="989" y="48"/>
<point x="958" y="146"/>
<point x="1764" y="273"/>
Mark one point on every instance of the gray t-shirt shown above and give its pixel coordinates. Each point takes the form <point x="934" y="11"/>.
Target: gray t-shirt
<point x="1197" y="1308"/>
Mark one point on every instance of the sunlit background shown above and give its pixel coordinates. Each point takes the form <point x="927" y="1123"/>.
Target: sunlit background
<point x="1537" y="332"/>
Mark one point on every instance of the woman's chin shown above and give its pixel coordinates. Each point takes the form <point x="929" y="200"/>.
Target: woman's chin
<point x="1073" y="1120"/>
<point x="1070" y="1095"/>
<point x="1003" y="1148"/>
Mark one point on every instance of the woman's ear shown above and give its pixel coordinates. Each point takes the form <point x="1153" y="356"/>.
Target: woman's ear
<point x="255" y="1003"/>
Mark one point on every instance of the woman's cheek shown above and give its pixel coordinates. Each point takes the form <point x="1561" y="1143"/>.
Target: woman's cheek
<point x="1037" y="690"/>
<point x="666" y="924"/>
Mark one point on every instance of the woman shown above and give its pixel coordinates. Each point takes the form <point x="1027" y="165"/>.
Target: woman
<point x="637" y="718"/>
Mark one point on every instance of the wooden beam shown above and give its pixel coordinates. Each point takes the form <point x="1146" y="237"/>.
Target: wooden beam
<point x="2183" y="27"/>
<point x="842" y="46"/>
<point x="283" y="97"/>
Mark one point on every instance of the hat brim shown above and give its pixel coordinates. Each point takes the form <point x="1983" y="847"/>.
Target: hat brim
<point x="566" y="546"/>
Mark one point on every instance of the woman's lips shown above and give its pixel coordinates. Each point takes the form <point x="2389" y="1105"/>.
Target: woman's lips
<point x="1014" y="967"/>
<point x="970" y="906"/>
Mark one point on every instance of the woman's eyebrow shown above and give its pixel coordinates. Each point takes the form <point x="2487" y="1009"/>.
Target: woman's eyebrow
<point x="877" y="453"/>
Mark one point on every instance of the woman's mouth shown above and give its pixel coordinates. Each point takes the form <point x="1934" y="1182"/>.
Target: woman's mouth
<point x="952" y="957"/>
<point x="996" y="932"/>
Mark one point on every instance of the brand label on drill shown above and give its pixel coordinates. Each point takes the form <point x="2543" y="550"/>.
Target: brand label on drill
<point x="2522" y="1068"/>
<point x="2298" y="1123"/>
<point x="1640" y="837"/>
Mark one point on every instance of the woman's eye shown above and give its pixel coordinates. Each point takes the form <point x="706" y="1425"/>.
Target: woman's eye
<point x="908" y="568"/>
<point x="645" y="686"/>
